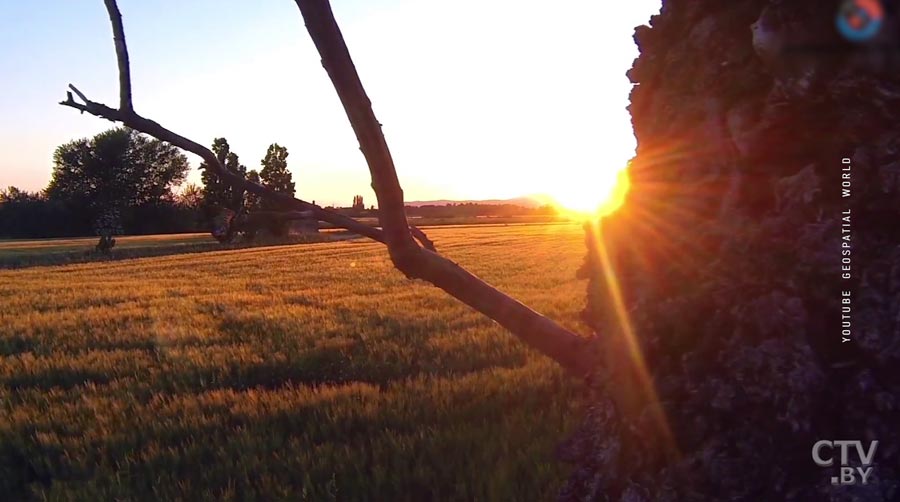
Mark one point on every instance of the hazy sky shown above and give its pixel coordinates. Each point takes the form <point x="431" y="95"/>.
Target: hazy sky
<point x="479" y="98"/>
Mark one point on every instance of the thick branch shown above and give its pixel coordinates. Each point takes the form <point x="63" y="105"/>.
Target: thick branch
<point x="336" y="59"/>
<point x="539" y="332"/>
<point x="115" y="19"/>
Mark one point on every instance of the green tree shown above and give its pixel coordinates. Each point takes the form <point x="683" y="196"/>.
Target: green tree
<point x="217" y="193"/>
<point x="118" y="166"/>
<point x="275" y="175"/>
<point x="115" y="170"/>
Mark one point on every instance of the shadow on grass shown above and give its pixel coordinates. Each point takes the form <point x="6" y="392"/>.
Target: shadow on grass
<point x="362" y="347"/>
<point x="87" y="255"/>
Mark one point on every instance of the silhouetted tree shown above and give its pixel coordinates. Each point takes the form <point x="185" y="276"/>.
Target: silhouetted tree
<point x="116" y="167"/>
<point x="358" y="204"/>
<point x="114" y="171"/>
<point x="14" y="194"/>
<point x="275" y="175"/>
<point x="29" y="214"/>
<point x="217" y="193"/>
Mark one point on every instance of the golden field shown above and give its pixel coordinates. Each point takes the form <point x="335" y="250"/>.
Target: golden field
<point x="304" y="372"/>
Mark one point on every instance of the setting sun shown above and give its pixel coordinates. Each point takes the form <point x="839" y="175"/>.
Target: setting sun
<point x="593" y="198"/>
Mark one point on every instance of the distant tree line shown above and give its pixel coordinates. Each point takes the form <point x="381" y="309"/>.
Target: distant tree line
<point x="122" y="182"/>
<point x="118" y="180"/>
<point x="473" y="209"/>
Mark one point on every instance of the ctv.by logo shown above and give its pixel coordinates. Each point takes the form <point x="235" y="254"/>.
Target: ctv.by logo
<point x="860" y="20"/>
<point x="847" y="473"/>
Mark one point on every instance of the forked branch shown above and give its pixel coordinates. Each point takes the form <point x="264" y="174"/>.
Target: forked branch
<point x="541" y="333"/>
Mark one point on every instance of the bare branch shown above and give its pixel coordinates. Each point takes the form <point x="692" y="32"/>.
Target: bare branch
<point x="539" y="332"/>
<point x="115" y="19"/>
<point x="138" y="123"/>
<point x="337" y="62"/>
<point x="127" y="116"/>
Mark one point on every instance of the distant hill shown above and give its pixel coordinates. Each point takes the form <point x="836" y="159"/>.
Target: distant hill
<point x="528" y="201"/>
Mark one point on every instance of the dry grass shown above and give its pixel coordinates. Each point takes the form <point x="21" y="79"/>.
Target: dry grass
<point x="310" y="372"/>
<point x="18" y="253"/>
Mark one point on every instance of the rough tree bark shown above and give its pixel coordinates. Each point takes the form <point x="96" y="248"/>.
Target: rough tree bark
<point x="410" y="250"/>
<point x="727" y="258"/>
<point x="719" y="362"/>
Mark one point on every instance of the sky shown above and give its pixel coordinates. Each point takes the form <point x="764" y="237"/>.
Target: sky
<point x="479" y="98"/>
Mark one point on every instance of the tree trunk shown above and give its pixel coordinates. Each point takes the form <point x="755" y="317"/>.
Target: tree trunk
<point x="725" y="363"/>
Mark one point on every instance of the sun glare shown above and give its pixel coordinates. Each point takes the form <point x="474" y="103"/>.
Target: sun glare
<point x="591" y="199"/>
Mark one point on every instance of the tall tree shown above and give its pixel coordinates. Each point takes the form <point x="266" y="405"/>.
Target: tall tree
<point x="217" y="193"/>
<point x="115" y="170"/>
<point x="275" y="175"/>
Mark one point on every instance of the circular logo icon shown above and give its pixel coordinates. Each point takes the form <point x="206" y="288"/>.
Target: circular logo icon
<point x="860" y="20"/>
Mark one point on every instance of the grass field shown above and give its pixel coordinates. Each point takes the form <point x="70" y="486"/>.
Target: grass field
<point x="16" y="253"/>
<point x="307" y="372"/>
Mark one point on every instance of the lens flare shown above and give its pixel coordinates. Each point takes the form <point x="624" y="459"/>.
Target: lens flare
<point x="592" y="199"/>
<point x="627" y="331"/>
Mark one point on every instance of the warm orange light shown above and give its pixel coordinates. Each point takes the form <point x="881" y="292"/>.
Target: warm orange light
<point x="591" y="199"/>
